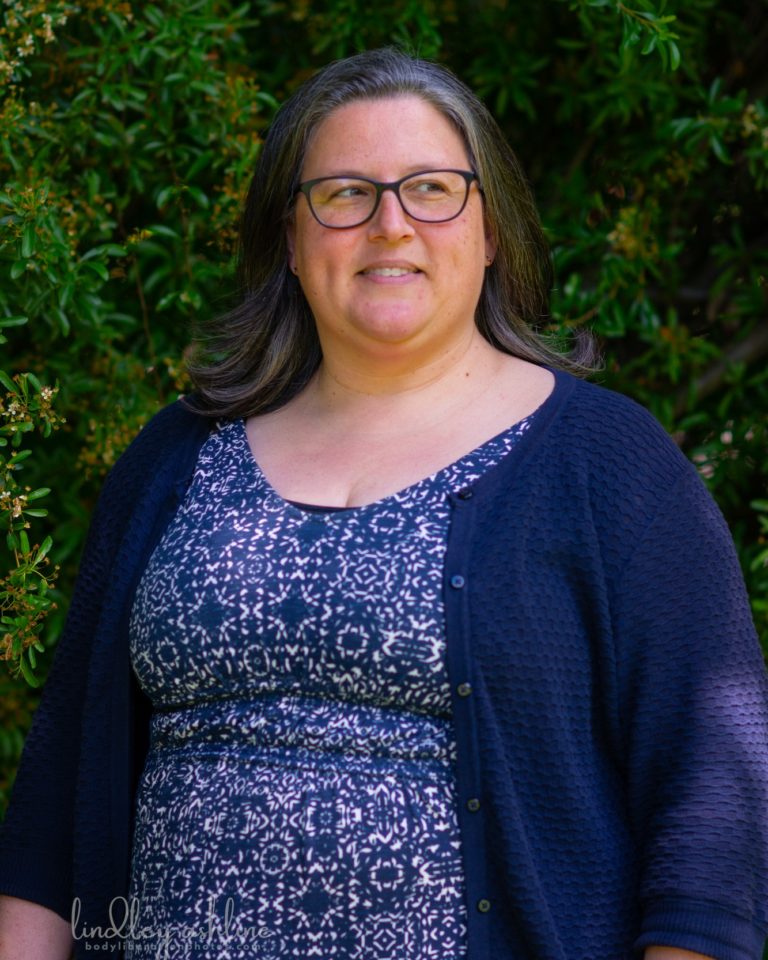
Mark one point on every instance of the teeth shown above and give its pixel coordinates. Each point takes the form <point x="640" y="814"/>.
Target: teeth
<point x="390" y="271"/>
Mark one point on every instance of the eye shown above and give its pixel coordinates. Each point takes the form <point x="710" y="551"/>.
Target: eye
<point x="433" y="187"/>
<point x="427" y="187"/>
<point x="348" y="193"/>
<point x="342" y="191"/>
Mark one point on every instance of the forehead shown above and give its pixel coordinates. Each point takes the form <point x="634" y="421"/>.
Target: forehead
<point x="371" y="137"/>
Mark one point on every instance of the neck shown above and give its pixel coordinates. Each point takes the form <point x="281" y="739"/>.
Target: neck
<point x="374" y="401"/>
<point x="341" y="379"/>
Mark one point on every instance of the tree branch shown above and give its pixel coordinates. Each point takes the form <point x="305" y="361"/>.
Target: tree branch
<point x="749" y="350"/>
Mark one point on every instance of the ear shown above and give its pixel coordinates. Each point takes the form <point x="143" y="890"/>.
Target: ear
<point x="290" y="242"/>
<point x="490" y="244"/>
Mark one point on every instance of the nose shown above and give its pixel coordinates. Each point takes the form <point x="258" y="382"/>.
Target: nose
<point x="390" y="221"/>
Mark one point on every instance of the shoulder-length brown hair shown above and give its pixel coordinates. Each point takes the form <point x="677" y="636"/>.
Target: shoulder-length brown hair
<point x="259" y="355"/>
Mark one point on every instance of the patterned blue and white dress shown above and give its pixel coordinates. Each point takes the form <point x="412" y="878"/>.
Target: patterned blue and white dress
<point x="298" y="797"/>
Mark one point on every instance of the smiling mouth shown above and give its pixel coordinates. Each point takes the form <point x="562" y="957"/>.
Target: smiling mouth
<point x="389" y="271"/>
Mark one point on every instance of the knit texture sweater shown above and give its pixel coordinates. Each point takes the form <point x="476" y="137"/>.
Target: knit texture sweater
<point x="610" y="703"/>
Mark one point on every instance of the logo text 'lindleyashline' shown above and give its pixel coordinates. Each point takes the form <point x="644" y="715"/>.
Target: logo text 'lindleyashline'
<point x="125" y="924"/>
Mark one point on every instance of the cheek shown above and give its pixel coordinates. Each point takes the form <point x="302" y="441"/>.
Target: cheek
<point x="301" y="237"/>
<point x="471" y="245"/>
<point x="466" y="259"/>
<point x="325" y="272"/>
<point x="327" y="256"/>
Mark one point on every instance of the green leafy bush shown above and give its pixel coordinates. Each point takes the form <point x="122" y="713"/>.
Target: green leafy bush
<point x="24" y="599"/>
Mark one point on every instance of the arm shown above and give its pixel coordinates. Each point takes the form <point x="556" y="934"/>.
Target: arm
<point x="36" y="838"/>
<point x="31" y="932"/>
<point x="52" y="796"/>
<point x="666" y="953"/>
<point x="694" y="704"/>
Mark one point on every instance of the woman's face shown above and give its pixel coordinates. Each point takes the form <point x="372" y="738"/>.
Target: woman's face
<point x="347" y="275"/>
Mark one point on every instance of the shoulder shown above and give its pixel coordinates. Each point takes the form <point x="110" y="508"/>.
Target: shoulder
<point x="616" y="416"/>
<point x="172" y="427"/>
<point x="165" y="449"/>
<point x="171" y="431"/>
<point x="598" y="457"/>
<point x="607" y="433"/>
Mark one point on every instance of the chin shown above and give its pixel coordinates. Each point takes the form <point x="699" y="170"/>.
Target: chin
<point x="393" y="329"/>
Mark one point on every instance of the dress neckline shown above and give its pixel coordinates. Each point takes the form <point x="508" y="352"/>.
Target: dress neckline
<point x="520" y="426"/>
<point x="315" y="507"/>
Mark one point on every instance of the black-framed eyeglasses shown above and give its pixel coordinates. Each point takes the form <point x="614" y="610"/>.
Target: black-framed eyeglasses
<point x="431" y="196"/>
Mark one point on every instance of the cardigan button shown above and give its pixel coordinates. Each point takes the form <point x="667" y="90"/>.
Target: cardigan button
<point x="483" y="905"/>
<point x="464" y="689"/>
<point x="457" y="581"/>
<point x="473" y="804"/>
<point x="466" y="494"/>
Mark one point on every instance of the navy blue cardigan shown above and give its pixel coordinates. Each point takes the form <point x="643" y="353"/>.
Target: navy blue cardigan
<point x="609" y="699"/>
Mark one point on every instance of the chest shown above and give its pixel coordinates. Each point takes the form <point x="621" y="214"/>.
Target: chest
<point x="341" y="468"/>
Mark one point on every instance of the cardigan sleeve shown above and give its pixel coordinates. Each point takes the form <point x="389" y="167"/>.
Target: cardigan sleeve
<point x="38" y="835"/>
<point x="36" y="841"/>
<point x="694" y="701"/>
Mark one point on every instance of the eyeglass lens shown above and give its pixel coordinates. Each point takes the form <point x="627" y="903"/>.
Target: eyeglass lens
<point x="432" y="197"/>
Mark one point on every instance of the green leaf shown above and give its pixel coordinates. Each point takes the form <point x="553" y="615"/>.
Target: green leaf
<point x="19" y="267"/>
<point x="63" y="320"/>
<point x="202" y="87"/>
<point x="203" y="162"/>
<point x="263" y="97"/>
<point x="28" y="240"/>
<point x="718" y="148"/>
<point x="96" y="266"/>
<point x="17" y="321"/>
<point x="9" y="385"/>
<point x="105" y="249"/>
<point x="166" y="301"/>
<point x="164" y="196"/>
<point x="65" y="294"/>
<point x="44" y="549"/>
<point x="200" y="198"/>
<point x="162" y="230"/>
<point x="31" y="679"/>
<point x="39" y="493"/>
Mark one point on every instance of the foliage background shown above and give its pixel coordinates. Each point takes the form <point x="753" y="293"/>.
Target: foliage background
<point x="127" y="135"/>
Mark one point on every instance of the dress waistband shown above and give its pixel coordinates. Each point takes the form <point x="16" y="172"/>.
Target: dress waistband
<point x="312" y="727"/>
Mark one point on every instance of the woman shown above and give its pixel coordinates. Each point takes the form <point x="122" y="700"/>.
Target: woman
<point x="440" y="651"/>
